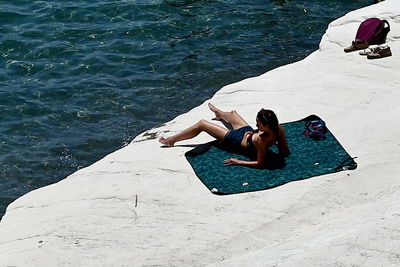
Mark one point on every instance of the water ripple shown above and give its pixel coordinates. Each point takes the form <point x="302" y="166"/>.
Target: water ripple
<point x="79" y="79"/>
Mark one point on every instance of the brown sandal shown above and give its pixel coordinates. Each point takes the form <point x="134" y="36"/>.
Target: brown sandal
<point x="380" y="53"/>
<point x="356" y="46"/>
<point x="369" y="50"/>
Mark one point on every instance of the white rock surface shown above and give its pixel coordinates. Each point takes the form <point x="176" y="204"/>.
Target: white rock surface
<point x="143" y="205"/>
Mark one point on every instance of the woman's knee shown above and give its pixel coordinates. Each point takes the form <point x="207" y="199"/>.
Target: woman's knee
<point x="201" y="124"/>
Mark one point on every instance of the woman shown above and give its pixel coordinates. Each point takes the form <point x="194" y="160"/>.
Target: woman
<point x="243" y="136"/>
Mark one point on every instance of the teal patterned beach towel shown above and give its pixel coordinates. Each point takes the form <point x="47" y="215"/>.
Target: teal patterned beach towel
<point x="308" y="158"/>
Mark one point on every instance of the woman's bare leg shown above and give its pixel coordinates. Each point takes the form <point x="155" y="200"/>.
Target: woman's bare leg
<point x="232" y="117"/>
<point x="212" y="129"/>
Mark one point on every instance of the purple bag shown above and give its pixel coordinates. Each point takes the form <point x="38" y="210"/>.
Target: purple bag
<point x="373" y="31"/>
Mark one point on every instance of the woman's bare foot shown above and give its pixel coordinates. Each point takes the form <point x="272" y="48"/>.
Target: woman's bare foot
<point x="215" y="110"/>
<point x="167" y="141"/>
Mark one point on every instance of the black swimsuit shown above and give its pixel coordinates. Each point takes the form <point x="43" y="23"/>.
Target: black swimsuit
<point x="234" y="138"/>
<point x="250" y="145"/>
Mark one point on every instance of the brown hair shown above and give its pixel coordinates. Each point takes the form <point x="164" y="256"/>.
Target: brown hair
<point x="268" y="117"/>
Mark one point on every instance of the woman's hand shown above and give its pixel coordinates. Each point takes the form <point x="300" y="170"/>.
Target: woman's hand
<point x="231" y="161"/>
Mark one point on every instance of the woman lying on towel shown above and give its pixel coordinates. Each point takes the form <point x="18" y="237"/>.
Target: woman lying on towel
<point x="242" y="137"/>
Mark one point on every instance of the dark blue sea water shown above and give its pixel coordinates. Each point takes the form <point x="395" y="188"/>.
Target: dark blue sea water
<point x="80" y="79"/>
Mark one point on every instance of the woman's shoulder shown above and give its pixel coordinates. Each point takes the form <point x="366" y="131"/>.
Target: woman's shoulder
<point x="265" y="139"/>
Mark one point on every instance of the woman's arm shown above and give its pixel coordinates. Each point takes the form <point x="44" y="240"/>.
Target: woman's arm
<point x="282" y="143"/>
<point x="252" y="164"/>
<point x="235" y="161"/>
